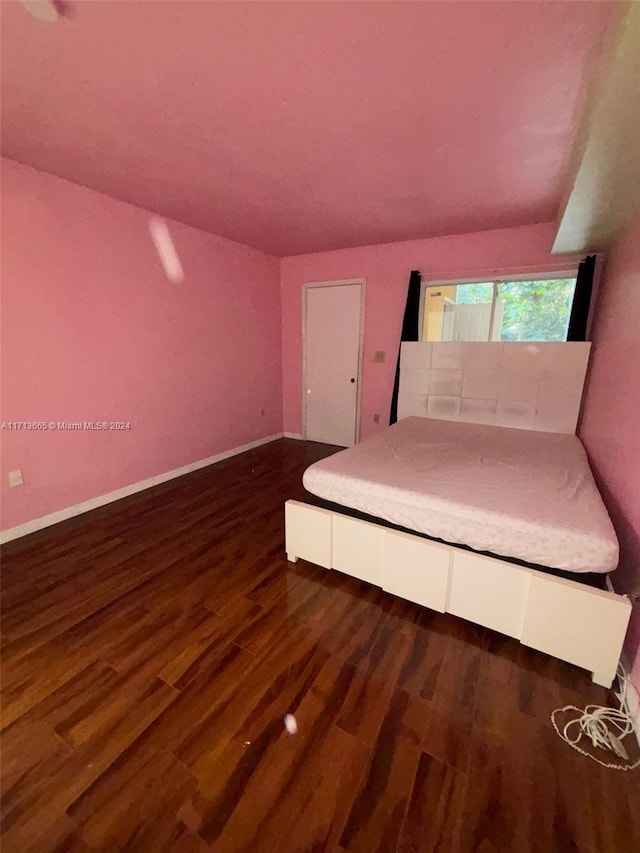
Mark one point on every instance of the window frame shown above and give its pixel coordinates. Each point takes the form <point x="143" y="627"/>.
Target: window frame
<point x="495" y="280"/>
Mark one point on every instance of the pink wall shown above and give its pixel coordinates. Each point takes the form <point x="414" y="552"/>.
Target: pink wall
<point x="611" y="413"/>
<point x="92" y="330"/>
<point x="386" y="269"/>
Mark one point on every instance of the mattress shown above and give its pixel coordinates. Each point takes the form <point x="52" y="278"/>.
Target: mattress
<point x="515" y="493"/>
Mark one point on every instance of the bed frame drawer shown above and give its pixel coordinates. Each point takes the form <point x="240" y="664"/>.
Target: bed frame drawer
<point x="581" y="625"/>
<point x="489" y="592"/>
<point x="417" y="570"/>
<point x="308" y="533"/>
<point x="358" y="549"/>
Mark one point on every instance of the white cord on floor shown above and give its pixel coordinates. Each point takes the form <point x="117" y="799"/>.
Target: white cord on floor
<point x="605" y="727"/>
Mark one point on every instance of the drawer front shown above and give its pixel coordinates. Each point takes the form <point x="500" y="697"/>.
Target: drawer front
<point x="308" y="533"/>
<point x="358" y="549"/>
<point x="489" y="592"/>
<point x="417" y="570"/>
<point x="583" y="626"/>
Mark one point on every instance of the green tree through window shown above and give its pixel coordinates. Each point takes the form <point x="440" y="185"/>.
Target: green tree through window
<point x="532" y="310"/>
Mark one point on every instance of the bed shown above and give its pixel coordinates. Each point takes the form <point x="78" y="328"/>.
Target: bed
<point x="514" y="493"/>
<point x="499" y="525"/>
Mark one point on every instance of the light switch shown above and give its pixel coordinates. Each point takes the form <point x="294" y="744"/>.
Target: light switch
<point x="376" y="419"/>
<point x="378" y="356"/>
<point x="15" y="478"/>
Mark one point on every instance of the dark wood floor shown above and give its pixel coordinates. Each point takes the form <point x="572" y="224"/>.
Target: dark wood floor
<point x="152" y="648"/>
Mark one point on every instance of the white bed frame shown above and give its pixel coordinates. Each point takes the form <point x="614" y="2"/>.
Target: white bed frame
<point x="577" y="623"/>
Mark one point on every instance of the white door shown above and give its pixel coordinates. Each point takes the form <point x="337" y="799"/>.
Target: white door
<point x="331" y="359"/>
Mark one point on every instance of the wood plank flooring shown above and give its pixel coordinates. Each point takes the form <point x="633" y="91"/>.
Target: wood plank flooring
<point x="151" y="649"/>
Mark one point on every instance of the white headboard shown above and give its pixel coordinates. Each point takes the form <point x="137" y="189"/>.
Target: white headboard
<point x="524" y="385"/>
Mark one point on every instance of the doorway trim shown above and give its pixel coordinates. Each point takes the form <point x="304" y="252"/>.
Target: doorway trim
<point x="338" y="283"/>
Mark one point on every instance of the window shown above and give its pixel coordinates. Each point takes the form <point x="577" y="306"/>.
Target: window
<point x="500" y="310"/>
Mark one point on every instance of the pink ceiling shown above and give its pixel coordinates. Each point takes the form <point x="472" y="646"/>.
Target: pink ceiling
<point x="296" y="127"/>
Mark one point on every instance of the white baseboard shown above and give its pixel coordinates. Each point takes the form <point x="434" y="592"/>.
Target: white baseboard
<point x="101" y="500"/>
<point x="295" y="435"/>
<point x="634" y="708"/>
<point x="633" y="699"/>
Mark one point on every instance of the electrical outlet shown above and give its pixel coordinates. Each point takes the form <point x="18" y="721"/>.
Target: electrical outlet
<point x="15" y="478"/>
<point x="379" y="356"/>
<point x="376" y="419"/>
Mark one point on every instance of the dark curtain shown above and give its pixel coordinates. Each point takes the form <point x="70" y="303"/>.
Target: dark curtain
<point x="577" y="330"/>
<point x="410" y="331"/>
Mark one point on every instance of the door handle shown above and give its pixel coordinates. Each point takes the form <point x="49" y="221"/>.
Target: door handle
<point x="352" y="379"/>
